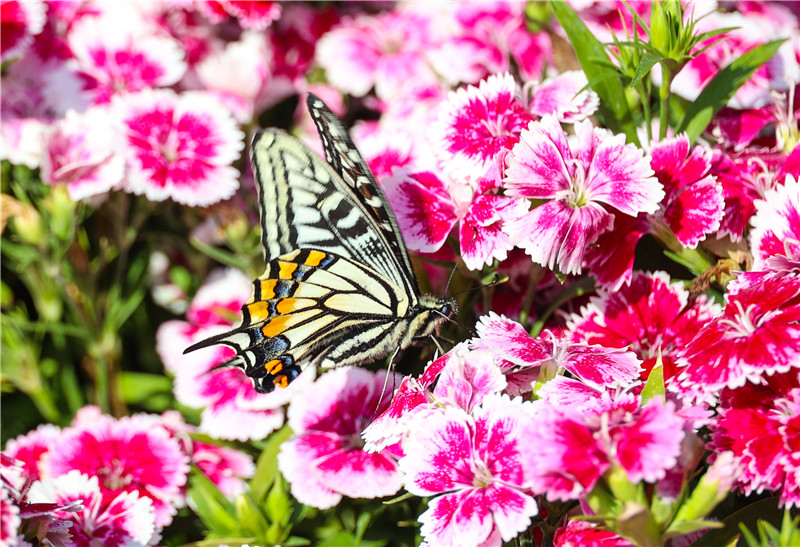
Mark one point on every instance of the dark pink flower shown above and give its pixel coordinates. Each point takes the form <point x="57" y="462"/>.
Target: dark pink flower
<point x="19" y="22"/>
<point x="757" y="335"/>
<point x="776" y="224"/>
<point x="477" y="463"/>
<point x="325" y="460"/>
<point x="477" y="125"/>
<point x="651" y="317"/>
<point x="386" y="51"/>
<point x="565" y="96"/>
<point x="252" y="14"/>
<point x="179" y="147"/>
<point x="126" y="519"/>
<point x="232" y="409"/>
<point x="760" y="424"/>
<point x="578" y="533"/>
<point x="132" y="454"/>
<point x="120" y="52"/>
<point x="427" y="210"/>
<point x="30" y="448"/>
<point x="578" y="181"/>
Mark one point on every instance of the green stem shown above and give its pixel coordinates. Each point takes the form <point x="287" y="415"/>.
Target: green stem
<point x="663" y="95"/>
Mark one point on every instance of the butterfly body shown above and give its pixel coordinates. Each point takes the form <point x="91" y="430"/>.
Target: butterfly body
<point x="338" y="288"/>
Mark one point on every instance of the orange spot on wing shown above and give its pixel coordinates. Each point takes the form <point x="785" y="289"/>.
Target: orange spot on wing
<point x="282" y="381"/>
<point x="259" y="311"/>
<point x="268" y="288"/>
<point x="286" y="270"/>
<point x="275" y="326"/>
<point x="314" y="258"/>
<point x="274" y="366"/>
<point x="286" y="305"/>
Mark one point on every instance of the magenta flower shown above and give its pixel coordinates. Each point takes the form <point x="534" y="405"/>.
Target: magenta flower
<point x="565" y="96"/>
<point x="521" y="357"/>
<point x="19" y="22"/>
<point x="386" y="51"/>
<point x="760" y="424"/>
<point x="578" y="532"/>
<point x="232" y="409"/>
<point x="427" y="210"/>
<point x="571" y="451"/>
<point x="30" y="448"/>
<point x="776" y="224"/>
<point x="78" y="152"/>
<point x="179" y="147"/>
<point x="127" y="519"/>
<point x="253" y="14"/>
<point x="599" y="169"/>
<point x="650" y="317"/>
<point x="757" y="335"/>
<point x="476" y="467"/>
<point x="132" y="454"/>
<point x="120" y="52"/>
<point x="325" y="460"/>
<point x="478" y="124"/>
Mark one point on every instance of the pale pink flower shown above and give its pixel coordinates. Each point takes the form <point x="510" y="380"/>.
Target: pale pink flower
<point x="125" y="520"/>
<point x="10" y="520"/>
<point x="776" y="224"/>
<point x="179" y="146"/>
<point x="564" y="96"/>
<point x="651" y="317"/>
<point x="475" y="465"/>
<point x="251" y="14"/>
<point x="19" y="22"/>
<point x="600" y="169"/>
<point x="760" y="424"/>
<point x="119" y="52"/>
<point x="132" y="454"/>
<point x="79" y="152"/>
<point x="232" y="409"/>
<point x="427" y="210"/>
<point x="478" y="125"/>
<point x="30" y="448"/>
<point x="386" y="51"/>
<point x="579" y="533"/>
<point x="382" y="149"/>
<point x="521" y="356"/>
<point x="757" y="335"/>
<point x="325" y="460"/>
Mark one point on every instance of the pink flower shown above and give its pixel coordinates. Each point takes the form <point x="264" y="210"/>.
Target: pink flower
<point x="599" y="169"/>
<point x="651" y="317"/>
<point x="386" y="51"/>
<point x="132" y="454"/>
<point x="578" y="533"/>
<point x="127" y="519"/>
<point x="565" y="97"/>
<point x="477" y="463"/>
<point x="427" y="210"/>
<point x="760" y="424"/>
<point x="19" y="22"/>
<point x="30" y="448"/>
<point x="776" y="224"/>
<point x="119" y="52"/>
<point x="757" y="335"/>
<point x="521" y="356"/>
<point x="232" y="409"/>
<point x="569" y="452"/>
<point x="78" y="152"/>
<point x="10" y="520"/>
<point x="325" y="460"/>
<point x="179" y="147"/>
<point x="255" y="15"/>
<point x="478" y="124"/>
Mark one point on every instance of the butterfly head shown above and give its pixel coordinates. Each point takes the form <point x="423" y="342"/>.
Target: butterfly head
<point x="431" y="314"/>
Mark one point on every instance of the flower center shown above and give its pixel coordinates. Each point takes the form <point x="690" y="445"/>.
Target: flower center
<point x="745" y="322"/>
<point x="114" y="477"/>
<point x="577" y="195"/>
<point x="482" y="476"/>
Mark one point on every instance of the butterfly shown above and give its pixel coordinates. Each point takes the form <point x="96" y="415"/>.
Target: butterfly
<point x="339" y="288"/>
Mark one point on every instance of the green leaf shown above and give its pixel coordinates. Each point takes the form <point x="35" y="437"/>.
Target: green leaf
<point x="766" y="509"/>
<point x="647" y="62"/>
<point x="604" y="79"/>
<point x="267" y="464"/>
<point x="138" y="387"/>
<point x="214" y="509"/>
<point x="724" y="86"/>
<point x="689" y="526"/>
<point x="655" y="382"/>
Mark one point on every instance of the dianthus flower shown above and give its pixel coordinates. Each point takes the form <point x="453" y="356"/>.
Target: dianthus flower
<point x="776" y="224"/>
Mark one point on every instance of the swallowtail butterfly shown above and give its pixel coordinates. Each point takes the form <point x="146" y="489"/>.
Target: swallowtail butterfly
<point x="339" y="288"/>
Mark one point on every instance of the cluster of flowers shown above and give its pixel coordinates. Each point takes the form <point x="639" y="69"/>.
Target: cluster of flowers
<point x="107" y="481"/>
<point x="148" y="98"/>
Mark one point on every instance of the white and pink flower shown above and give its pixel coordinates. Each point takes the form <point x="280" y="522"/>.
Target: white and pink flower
<point x="179" y="146"/>
<point x="564" y="96"/>
<point x="776" y="224"/>
<point x="252" y="14"/>
<point x="19" y="22"/>
<point x="475" y="465"/>
<point x="578" y="181"/>
<point x="325" y="460"/>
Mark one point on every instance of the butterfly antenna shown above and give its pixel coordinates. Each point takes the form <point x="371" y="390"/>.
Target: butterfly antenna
<point x="455" y="322"/>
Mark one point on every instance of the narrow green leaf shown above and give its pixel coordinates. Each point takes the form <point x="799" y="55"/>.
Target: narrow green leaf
<point x="766" y="509"/>
<point x="223" y="257"/>
<point x="648" y="61"/>
<point x="267" y="464"/>
<point x="213" y="508"/>
<point x="655" y="382"/>
<point x="724" y="86"/>
<point x="140" y="386"/>
<point x="606" y="83"/>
